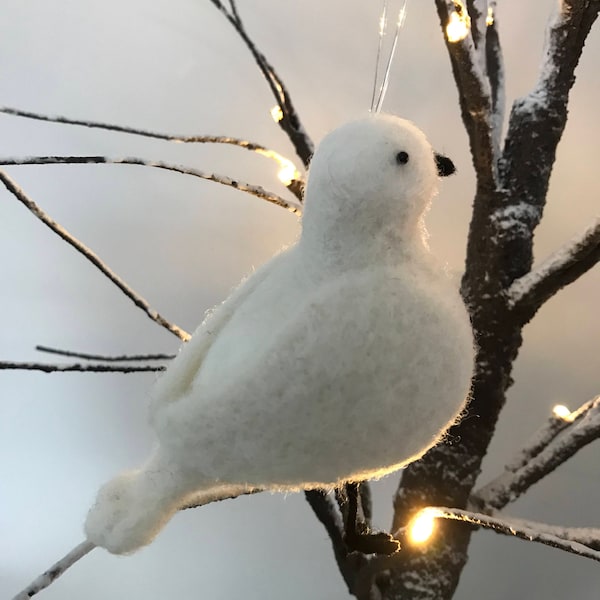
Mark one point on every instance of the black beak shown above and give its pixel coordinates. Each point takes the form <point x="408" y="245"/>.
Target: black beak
<point x="444" y="165"/>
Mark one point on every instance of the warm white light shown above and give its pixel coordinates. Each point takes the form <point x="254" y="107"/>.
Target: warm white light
<point x="489" y="20"/>
<point x="277" y="113"/>
<point x="287" y="169"/>
<point x="382" y="23"/>
<point x="562" y="412"/>
<point x="421" y="527"/>
<point x="459" y="23"/>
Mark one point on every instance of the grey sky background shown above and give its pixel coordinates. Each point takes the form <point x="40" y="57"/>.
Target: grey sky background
<point x="176" y="66"/>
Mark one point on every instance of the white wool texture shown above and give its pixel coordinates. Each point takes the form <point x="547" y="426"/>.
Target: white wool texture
<point x="344" y="358"/>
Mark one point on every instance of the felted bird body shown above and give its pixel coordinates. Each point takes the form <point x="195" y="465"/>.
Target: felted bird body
<point x="344" y="358"/>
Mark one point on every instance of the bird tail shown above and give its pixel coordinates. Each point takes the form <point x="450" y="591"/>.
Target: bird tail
<point x="131" y="509"/>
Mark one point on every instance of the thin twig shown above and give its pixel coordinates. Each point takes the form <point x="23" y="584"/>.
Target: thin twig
<point x="582" y="427"/>
<point x="529" y="292"/>
<point x="546" y="435"/>
<point x="140" y="302"/>
<point x="184" y="139"/>
<point x="290" y="121"/>
<point x="294" y="182"/>
<point x="254" y="190"/>
<point x="525" y="530"/>
<point x="55" y="571"/>
<point x="104" y="357"/>
<point x="475" y="97"/>
<point x="81" y="368"/>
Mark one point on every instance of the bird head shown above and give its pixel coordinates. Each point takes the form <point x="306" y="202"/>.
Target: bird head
<point x="373" y="174"/>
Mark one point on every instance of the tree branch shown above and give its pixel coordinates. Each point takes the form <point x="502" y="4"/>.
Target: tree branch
<point x="475" y="91"/>
<point x="254" y="190"/>
<point x="104" y="357"/>
<point x="326" y="511"/>
<point x="140" y="302"/>
<point x="553" y="445"/>
<point x="535" y="127"/>
<point x="527" y="294"/>
<point x="290" y="121"/>
<point x="289" y="176"/>
<point x="528" y="530"/>
<point x="184" y="139"/>
<point x="55" y="571"/>
<point x="48" y="368"/>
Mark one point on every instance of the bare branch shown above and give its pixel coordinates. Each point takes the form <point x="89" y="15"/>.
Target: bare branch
<point x="254" y="190"/>
<point x="184" y="139"/>
<point x="55" y="571"/>
<point x="527" y="294"/>
<point x="291" y="177"/>
<point x="552" y="446"/>
<point x="537" y="120"/>
<point x="545" y="435"/>
<point x="325" y="509"/>
<point x="477" y="16"/>
<point x="104" y="357"/>
<point x="140" y="302"/>
<point x="290" y="121"/>
<point x="526" y="530"/>
<point x="495" y="72"/>
<point x="48" y="368"/>
<point x="475" y="93"/>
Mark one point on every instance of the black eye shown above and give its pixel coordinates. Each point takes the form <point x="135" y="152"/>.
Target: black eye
<point x="402" y="158"/>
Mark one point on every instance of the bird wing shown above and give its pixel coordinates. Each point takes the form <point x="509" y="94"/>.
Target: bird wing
<point x="352" y="383"/>
<point x="181" y="372"/>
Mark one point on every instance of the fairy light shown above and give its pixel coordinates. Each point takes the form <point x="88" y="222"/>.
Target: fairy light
<point x="459" y="23"/>
<point x="489" y="20"/>
<point x="560" y="411"/>
<point x="277" y="113"/>
<point x="287" y="170"/>
<point x="382" y="22"/>
<point x="422" y="526"/>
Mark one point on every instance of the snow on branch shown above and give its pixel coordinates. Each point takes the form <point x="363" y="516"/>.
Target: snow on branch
<point x="480" y="102"/>
<point x="528" y="293"/>
<point x="567" y="31"/>
<point x="104" y="357"/>
<point x="140" y="302"/>
<point x="184" y="139"/>
<point x="576" y="541"/>
<point x="288" y="174"/>
<point x="254" y="190"/>
<point x="55" y="571"/>
<point x="553" y="445"/>
<point x="287" y="117"/>
<point x="538" y="119"/>
<point x="80" y="368"/>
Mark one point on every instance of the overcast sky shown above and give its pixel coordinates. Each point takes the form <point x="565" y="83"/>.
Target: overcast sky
<point x="177" y="66"/>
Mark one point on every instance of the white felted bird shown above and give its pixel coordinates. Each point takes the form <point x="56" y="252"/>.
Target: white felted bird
<point x="344" y="358"/>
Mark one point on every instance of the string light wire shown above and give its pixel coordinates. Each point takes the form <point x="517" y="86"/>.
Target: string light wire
<point x="376" y="104"/>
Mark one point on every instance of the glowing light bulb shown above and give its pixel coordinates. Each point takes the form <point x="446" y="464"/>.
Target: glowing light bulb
<point x="277" y="113"/>
<point x="489" y="20"/>
<point x="287" y="170"/>
<point x="562" y="412"/>
<point x="459" y="23"/>
<point x="382" y="22"/>
<point x="421" y="527"/>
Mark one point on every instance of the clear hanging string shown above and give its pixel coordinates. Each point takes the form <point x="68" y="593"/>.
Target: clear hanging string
<point x="378" y="96"/>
